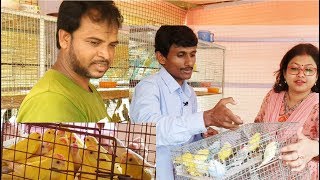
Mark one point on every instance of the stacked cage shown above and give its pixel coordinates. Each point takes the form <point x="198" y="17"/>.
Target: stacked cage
<point x="208" y="73"/>
<point x="78" y="151"/>
<point x="27" y="51"/>
<point x="250" y="152"/>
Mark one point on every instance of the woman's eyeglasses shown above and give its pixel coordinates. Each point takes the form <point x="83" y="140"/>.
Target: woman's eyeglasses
<point x="307" y="70"/>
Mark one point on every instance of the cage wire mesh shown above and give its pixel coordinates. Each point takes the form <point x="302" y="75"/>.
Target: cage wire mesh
<point x="125" y="151"/>
<point x="29" y="49"/>
<point x="208" y="76"/>
<point x="250" y="152"/>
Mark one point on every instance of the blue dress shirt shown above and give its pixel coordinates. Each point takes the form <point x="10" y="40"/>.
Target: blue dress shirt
<point x="160" y="99"/>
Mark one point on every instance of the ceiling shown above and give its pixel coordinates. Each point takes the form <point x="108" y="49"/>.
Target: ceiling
<point x="188" y="4"/>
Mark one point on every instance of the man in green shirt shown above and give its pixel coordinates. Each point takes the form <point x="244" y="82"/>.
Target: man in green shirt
<point x="86" y="38"/>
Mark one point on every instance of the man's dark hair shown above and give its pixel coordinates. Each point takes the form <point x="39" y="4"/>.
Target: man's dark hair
<point x="71" y="12"/>
<point x="167" y="35"/>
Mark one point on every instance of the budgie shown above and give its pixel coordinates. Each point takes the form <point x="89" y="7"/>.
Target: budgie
<point x="28" y="146"/>
<point x="77" y="159"/>
<point x="61" y="146"/>
<point x="240" y="157"/>
<point x="42" y="170"/>
<point x="92" y="141"/>
<point x="269" y="152"/>
<point x="47" y="144"/>
<point x="225" y="151"/>
<point x="49" y="135"/>
<point x="105" y="161"/>
<point x="90" y="165"/>
<point x="121" y="149"/>
<point x="44" y="150"/>
<point x="131" y="166"/>
<point x="200" y="159"/>
<point x="254" y="141"/>
<point x="216" y="169"/>
<point x="76" y="139"/>
<point x="188" y="160"/>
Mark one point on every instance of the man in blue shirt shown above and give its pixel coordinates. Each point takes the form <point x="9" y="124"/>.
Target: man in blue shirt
<point x="166" y="99"/>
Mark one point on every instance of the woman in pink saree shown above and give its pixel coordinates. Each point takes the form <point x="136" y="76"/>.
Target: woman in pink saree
<point x="295" y="98"/>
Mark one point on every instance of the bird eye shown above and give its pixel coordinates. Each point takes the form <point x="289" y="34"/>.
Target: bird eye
<point x="130" y="159"/>
<point x="91" y="152"/>
<point x="58" y="162"/>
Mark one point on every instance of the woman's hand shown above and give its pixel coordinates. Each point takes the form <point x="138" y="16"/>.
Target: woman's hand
<point x="297" y="155"/>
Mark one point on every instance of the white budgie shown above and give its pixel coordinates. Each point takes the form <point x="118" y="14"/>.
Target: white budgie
<point x="216" y="169"/>
<point x="240" y="157"/>
<point x="269" y="153"/>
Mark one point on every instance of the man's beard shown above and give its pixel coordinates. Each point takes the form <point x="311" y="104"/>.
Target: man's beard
<point x="76" y="66"/>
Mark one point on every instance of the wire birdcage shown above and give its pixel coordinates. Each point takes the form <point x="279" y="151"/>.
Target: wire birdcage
<point x="124" y="151"/>
<point x="250" y="152"/>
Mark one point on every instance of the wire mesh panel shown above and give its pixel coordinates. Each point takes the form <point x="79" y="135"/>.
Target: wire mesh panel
<point x="23" y="35"/>
<point x="150" y="12"/>
<point x="82" y="150"/>
<point x="250" y="152"/>
<point x="208" y="75"/>
<point x="27" y="51"/>
<point x="141" y="53"/>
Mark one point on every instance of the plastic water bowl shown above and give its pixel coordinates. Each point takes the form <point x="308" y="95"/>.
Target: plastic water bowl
<point x="206" y="36"/>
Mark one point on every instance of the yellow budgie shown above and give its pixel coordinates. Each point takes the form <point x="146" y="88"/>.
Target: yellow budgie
<point x="90" y="164"/>
<point x="41" y="170"/>
<point x="28" y="147"/>
<point x="187" y="159"/>
<point x="80" y="144"/>
<point x="48" y="135"/>
<point x="105" y="162"/>
<point x="254" y="141"/>
<point x="45" y="149"/>
<point x="225" y="151"/>
<point x="121" y="149"/>
<point x="92" y="141"/>
<point x="131" y="166"/>
<point x="77" y="159"/>
<point x="61" y="146"/>
<point x="202" y="155"/>
<point x="46" y="145"/>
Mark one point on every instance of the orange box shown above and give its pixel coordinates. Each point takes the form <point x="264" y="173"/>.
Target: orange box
<point x="107" y="84"/>
<point x="213" y="90"/>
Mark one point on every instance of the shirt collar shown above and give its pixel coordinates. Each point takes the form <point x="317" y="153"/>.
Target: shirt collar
<point x="172" y="84"/>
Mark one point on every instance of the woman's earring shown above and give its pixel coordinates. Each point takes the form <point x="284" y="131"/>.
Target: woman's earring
<point x="285" y="82"/>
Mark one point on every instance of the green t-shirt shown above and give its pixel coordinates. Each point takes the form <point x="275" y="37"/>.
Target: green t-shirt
<point x="56" y="98"/>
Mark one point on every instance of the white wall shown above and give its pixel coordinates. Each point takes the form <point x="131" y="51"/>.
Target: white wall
<point x="49" y="6"/>
<point x="253" y="53"/>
